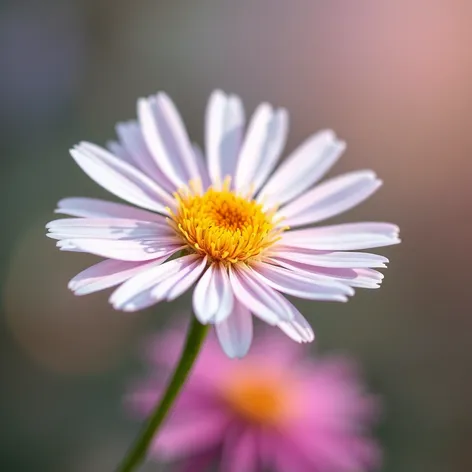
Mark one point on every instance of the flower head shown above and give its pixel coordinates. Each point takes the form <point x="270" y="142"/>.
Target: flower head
<point x="275" y="410"/>
<point x="231" y="224"/>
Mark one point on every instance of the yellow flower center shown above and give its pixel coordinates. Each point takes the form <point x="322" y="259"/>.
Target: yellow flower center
<point x="257" y="397"/>
<point x="223" y="225"/>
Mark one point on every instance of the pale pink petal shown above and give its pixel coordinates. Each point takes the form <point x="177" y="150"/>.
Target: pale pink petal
<point x="240" y="451"/>
<point x="223" y="135"/>
<point x="136" y="293"/>
<point x="108" y="228"/>
<point x="95" y="208"/>
<point x="124" y="250"/>
<point x="167" y="139"/>
<point x="336" y="259"/>
<point x="67" y="245"/>
<point x="258" y="297"/>
<point x="106" y="274"/>
<point x="202" y="167"/>
<point x="324" y="273"/>
<point x="270" y="154"/>
<point x="191" y="434"/>
<point x="176" y="284"/>
<point x="366" y="278"/>
<point x="213" y="298"/>
<point x="235" y="332"/>
<point x="363" y="278"/>
<point x="298" y="327"/>
<point x="131" y="136"/>
<point x="343" y="237"/>
<point x="124" y="299"/>
<point x="120" y="178"/>
<point x="305" y="166"/>
<point x="264" y="142"/>
<point x="118" y="150"/>
<point x="330" y="198"/>
<point x="300" y="285"/>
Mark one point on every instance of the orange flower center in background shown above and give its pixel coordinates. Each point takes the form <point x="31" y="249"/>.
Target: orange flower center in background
<point x="257" y="398"/>
<point x="223" y="225"/>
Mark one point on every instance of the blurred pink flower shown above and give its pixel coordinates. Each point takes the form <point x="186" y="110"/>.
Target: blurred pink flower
<point x="276" y="409"/>
<point x="224" y="225"/>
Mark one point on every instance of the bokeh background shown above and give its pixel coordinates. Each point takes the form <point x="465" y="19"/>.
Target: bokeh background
<point x="394" y="79"/>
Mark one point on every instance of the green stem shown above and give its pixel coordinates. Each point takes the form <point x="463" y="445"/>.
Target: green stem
<point x="195" y="337"/>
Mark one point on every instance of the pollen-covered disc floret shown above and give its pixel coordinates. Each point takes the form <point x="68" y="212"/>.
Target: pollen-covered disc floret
<point x="224" y="225"/>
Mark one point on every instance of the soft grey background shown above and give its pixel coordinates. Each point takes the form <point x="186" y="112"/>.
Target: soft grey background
<point x="392" y="78"/>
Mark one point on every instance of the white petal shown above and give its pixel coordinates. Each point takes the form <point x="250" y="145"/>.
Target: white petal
<point x="235" y="332"/>
<point x="202" y="168"/>
<point x="353" y="260"/>
<point x="262" y="147"/>
<point x="131" y="136"/>
<point x="213" y="297"/>
<point x="275" y="144"/>
<point x="120" y="178"/>
<point x="298" y="328"/>
<point x="363" y="278"/>
<point x="366" y="278"/>
<point x="118" y="150"/>
<point x="136" y="293"/>
<point x="204" y="306"/>
<point x="223" y="135"/>
<point x="330" y="198"/>
<point x="343" y="237"/>
<point x="94" y="208"/>
<point x="301" y="286"/>
<point x="108" y="228"/>
<point x="67" y="245"/>
<point x="106" y="274"/>
<point x="327" y="274"/>
<point x="305" y="166"/>
<point x="167" y="139"/>
<point x="258" y="297"/>
<point x="123" y="250"/>
<point x="176" y="284"/>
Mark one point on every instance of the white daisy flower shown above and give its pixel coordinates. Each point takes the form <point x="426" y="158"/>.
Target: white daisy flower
<point x="235" y="224"/>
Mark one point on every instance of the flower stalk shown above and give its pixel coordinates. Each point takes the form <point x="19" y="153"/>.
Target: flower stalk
<point x="195" y="336"/>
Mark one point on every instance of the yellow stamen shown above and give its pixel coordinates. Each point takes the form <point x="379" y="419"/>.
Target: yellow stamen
<point x="223" y="225"/>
